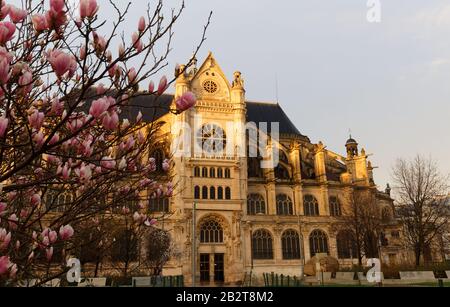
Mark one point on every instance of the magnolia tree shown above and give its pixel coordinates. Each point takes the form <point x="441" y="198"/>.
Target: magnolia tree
<point x="66" y="145"/>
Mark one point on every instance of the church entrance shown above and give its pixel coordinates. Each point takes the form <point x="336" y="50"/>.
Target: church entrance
<point x="212" y="268"/>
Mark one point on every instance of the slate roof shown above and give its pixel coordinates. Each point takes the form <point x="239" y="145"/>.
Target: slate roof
<point x="271" y="112"/>
<point x="153" y="107"/>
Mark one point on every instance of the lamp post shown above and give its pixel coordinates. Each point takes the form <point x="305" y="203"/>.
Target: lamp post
<point x="194" y="204"/>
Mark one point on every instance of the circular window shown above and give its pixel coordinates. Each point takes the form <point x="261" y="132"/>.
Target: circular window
<point x="211" y="138"/>
<point x="210" y="86"/>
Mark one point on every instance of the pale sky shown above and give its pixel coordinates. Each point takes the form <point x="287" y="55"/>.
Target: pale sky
<point x="388" y="82"/>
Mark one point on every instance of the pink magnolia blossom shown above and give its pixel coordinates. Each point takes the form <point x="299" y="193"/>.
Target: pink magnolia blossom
<point x="4" y="11"/>
<point x="13" y="221"/>
<point x="99" y="42"/>
<point x="13" y="271"/>
<point x="52" y="236"/>
<point x="54" y="139"/>
<point x="4" y="54"/>
<point x="62" y="63"/>
<point x="26" y="81"/>
<point x="2" y="208"/>
<point x="150" y="222"/>
<point x="125" y="210"/>
<point x="5" y="239"/>
<point x="108" y="163"/>
<point x="4" y="265"/>
<point x="4" y="71"/>
<point x="3" y="125"/>
<point x="65" y="172"/>
<point x="88" y="8"/>
<point x="16" y="14"/>
<point x="162" y="85"/>
<point x="185" y="102"/>
<point x="100" y="89"/>
<point x="139" y="117"/>
<point x="137" y="43"/>
<point x="57" y="5"/>
<point x="36" y="199"/>
<point x="56" y="19"/>
<point x="39" y="139"/>
<point x="83" y="52"/>
<point x="121" y="50"/>
<point x="66" y="232"/>
<point x="36" y="119"/>
<point x="165" y="165"/>
<point x="132" y="74"/>
<point x="40" y="23"/>
<point x="57" y="107"/>
<point x="151" y="87"/>
<point x="142" y="24"/>
<point x="99" y="107"/>
<point x="7" y="30"/>
<point x="49" y="253"/>
<point x="75" y="125"/>
<point x="45" y="241"/>
<point x="110" y="121"/>
<point x="84" y="172"/>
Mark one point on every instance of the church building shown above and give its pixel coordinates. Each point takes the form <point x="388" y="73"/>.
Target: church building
<point x="244" y="205"/>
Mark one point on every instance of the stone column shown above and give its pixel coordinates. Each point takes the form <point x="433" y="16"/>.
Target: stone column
<point x="319" y="162"/>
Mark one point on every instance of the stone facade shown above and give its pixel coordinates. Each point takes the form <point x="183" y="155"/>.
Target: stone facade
<point x="236" y="199"/>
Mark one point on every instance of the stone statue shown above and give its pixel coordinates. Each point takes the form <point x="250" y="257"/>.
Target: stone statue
<point x="238" y="81"/>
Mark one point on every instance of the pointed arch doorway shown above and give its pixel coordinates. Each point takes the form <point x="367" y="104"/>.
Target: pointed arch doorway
<point x="212" y="250"/>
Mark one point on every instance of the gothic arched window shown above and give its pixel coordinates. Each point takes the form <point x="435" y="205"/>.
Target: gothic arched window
<point x="318" y="242"/>
<point x="227" y="193"/>
<point x="283" y="157"/>
<point x="290" y="244"/>
<point x="158" y="155"/>
<point x="219" y="193"/>
<point x="346" y="245"/>
<point x="212" y="172"/>
<point x="256" y="204"/>
<point x="262" y="244"/>
<point x="386" y="215"/>
<point x="204" y="172"/>
<point x="212" y="193"/>
<point x="211" y="232"/>
<point x="310" y="205"/>
<point x="254" y="168"/>
<point x="284" y="205"/>
<point x="281" y="172"/>
<point x="159" y="205"/>
<point x="196" y="171"/>
<point x="335" y="206"/>
<point x="204" y="192"/>
<point x="58" y="200"/>
<point x="197" y="192"/>
<point x="227" y="173"/>
<point x="219" y="172"/>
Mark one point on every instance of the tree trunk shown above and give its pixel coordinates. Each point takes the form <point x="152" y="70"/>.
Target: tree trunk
<point x="417" y="253"/>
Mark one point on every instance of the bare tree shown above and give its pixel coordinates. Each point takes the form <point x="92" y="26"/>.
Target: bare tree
<point x="420" y="187"/>
<point x="361" y="223"/>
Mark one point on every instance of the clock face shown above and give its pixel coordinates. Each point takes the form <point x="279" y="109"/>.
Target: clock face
<point x="211" y="138"/>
